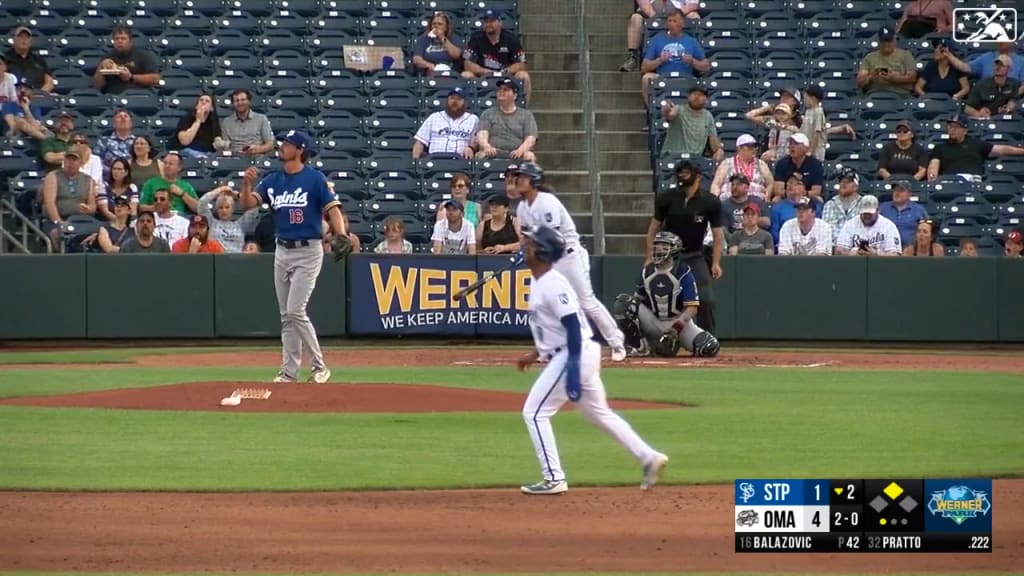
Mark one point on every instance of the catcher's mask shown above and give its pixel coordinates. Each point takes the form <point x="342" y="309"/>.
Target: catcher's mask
<point x="666" y="246"/>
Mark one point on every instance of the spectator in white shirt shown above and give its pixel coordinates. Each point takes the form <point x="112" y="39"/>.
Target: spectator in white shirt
<point x="805" y="235"/>
<point x="454" y="235"/>
<point x="869" y="235"/>
<point x="449" y="131"/>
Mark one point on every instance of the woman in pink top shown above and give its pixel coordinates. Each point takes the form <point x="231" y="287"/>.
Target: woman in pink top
<point x="922" y="17"/>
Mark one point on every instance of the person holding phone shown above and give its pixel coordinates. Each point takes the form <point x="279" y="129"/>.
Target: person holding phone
<point x="245" y="132"/>
<point x="871" y="234"/>
<point x="888" y="69"/>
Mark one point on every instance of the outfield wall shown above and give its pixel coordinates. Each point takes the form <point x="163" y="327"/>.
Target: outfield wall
<point x="764" y="298"/>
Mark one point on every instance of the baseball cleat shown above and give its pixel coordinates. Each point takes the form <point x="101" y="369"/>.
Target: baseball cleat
<point x="546" y="488"/>
<point x="652" y="471"/>
<point x="320" y="376"/>
<point x="283" y="378"/>
<point x="618" y="353"/>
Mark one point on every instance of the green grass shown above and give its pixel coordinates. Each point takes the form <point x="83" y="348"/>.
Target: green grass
<point x="747" y="423"/>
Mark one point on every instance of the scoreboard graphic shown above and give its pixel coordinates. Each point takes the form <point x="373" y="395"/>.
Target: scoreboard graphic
<point x="878" y="515"/>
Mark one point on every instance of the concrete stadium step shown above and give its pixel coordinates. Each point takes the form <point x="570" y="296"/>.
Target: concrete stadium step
<point x="624" y="223"/>
<point x="606" y="141"/>
<point x="576" y="160"/>
<point x="626" y="182"/>
<point x="556" y="23"/>
<point x="556" y="80"/>
<point x="568" y="160"/>
<point x="554" y="61"/>
<point x="603" y="100"/>
<point x="631" y="244"/>
<point x="642" y="203"/>
<point x="566" y="42"/>
<point x="562" y="119"/>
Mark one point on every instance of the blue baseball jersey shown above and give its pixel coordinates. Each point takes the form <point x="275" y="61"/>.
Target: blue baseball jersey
<point x="298" y="202"/>
<point x="668" y="292"/>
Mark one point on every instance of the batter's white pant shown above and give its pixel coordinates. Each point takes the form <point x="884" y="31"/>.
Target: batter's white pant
<point x="548" y="395"/>
<point x="575" y="267"/>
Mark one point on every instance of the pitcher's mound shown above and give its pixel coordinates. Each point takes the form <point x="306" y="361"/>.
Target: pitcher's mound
<point x="304" y="398"/>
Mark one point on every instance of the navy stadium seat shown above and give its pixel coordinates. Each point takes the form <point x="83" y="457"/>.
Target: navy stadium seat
<point x="257" y="8"/>
<point x="304" y="8"/>
<point x="226" y="41"/>
<point x="286" y="22"/>
<point x="299" y="101"/>
<point x="193" y="60"/>
<point x="146" y="23"/>
<point x="353" y="142"/>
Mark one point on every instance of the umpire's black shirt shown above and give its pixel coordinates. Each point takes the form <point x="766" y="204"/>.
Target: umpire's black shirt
<point x="688" y="219"/>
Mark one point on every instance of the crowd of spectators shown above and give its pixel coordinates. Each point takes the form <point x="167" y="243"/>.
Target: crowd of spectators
<point x="98" y="192"/>
<point x="788" y="192"/>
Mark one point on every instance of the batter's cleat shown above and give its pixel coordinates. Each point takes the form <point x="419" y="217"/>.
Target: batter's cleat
<point x="652" y="471"/>
<point x="618" y="353"/>
<point x="546" y="488"/>
<point x="320" y="376"/>
<point x="283" y="378"/>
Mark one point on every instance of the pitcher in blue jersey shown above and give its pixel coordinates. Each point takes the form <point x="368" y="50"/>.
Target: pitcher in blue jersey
<point x="299" y="197"/>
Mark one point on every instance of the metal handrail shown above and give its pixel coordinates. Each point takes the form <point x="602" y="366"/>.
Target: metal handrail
<point x="590" y="129"/>
<point x="27" y="223"/>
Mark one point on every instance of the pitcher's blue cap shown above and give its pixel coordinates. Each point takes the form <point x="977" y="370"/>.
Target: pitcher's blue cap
<point x="300" y="140"/>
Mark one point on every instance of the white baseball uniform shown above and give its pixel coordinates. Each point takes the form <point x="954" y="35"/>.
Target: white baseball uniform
<point x="442" y="134"/>
<point x="817" y="241"/>
<point x="552" y="297"/>
<point x="547" y="210"/>
<point x="882" y="236"/>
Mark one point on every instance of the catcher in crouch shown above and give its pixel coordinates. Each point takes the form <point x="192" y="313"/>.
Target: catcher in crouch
<point x="658" y="318"/>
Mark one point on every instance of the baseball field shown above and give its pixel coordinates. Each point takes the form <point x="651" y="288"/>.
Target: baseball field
<point x="122" y="461"/>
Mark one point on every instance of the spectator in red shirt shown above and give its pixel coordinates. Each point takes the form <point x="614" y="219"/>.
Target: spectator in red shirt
<point x="198" y="240"/>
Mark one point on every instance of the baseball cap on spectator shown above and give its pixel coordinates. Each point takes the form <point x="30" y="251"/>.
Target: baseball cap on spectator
<point x="498" y="200"/>
<point x="65" y="114"/>
<point x="905" y="124"/>
<point x="752" y="208"/>
<point x="957" y="118"/>
<point x="804" y="203"/>
<point x="737" y="177"/>
<point x="800" y="138"/>
<point x="746" y="140"/>
<point x="1004" y="60"/>
<point x="849" y="174"/>
<point x="1015" y="237"/>
<point x="492" y="15"/>
<point x="699" y="88"/>
<point x="816" y="91"/>
<point x="122" y="201"/>
<point x="457" y="91"/>
<point x="453" y="203"/>
<point x="886" y="34"/>
<point x="198" y="220"/>
<point x="508" y="83"/>
<point x="22" y="30"/>
<point x="511" y="169"/>
<point x="901" y="185"/>
<point x="947" y="42"/>
<point x="792" y="91"/>
<point x="72" y="153"/>
<point x="869" y="204"/>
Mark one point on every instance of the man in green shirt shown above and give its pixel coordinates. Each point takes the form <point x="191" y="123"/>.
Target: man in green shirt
<point x="888" y="69"/>
<point x="183" y="196"/>
<point x="53" y="148"/>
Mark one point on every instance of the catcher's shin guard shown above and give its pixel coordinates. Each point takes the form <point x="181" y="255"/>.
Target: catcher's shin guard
<point x="624" y="313"/>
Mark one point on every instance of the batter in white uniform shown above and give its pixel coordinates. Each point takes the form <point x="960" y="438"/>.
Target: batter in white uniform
<point x="573" y="372"/>
<point x="540" y="208"/>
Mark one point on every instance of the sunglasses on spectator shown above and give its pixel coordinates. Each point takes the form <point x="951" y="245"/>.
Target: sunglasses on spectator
<point x="81" y="141"/>
<point x="927" y="221"/>
<point x="903" y="129"/>
<point x="461" y="185"/>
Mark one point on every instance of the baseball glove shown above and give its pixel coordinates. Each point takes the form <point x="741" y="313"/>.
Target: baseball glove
<point x="341" y="247"/>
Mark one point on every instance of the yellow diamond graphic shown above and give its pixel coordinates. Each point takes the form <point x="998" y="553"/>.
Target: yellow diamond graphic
<point x="893" y="490"/>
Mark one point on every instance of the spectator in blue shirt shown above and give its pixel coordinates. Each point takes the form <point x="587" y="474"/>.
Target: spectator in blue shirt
<point x="984" y="66"/>
<point x="672" y="53"/>
<point x="940" y="76"/>
<point x="22" y="117"/>
<point x="438" y="49"/>
<point x="798" y="161"/>
<point x="903" y="212"/>
<point x="785" y="209"/>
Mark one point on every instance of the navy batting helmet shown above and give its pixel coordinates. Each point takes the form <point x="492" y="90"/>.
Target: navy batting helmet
<point x="533" y="170"/>
<point x="549" y="245"/>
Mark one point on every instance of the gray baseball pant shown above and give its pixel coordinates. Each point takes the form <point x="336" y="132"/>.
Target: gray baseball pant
<point x="295" y="274"/>
<point x="652" y="328"/>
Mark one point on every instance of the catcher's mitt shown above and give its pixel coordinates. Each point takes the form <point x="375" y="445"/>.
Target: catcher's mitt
<point x="668" y="345"/>
<point x="341" y="247"/>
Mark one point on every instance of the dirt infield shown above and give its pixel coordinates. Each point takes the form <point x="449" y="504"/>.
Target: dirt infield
<point x="303" y="398"/>
<point x="668" y="530"/>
